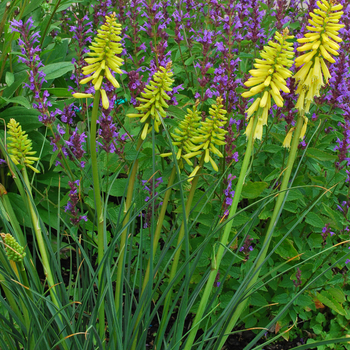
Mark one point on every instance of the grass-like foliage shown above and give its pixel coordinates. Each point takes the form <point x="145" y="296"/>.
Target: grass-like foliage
<point x="174" y="174"/>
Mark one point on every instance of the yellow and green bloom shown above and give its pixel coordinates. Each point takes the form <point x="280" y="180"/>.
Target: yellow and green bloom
<point x="320" y="45"/>
<point x="183" y="135"/>
<point x="19" y="146"/>
<point x="14" y="251"/>
<point x="209" y="135"/>
<point x="153" y="100"/>
<point x="103" y="60"/>
<point x="268" y="79"/>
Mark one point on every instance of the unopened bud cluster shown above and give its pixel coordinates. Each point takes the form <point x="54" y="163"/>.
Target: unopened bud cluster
<point x="14" y="251"/>
<point x="19" y="146"/>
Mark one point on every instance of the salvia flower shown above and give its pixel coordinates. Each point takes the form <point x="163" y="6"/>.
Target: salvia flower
<point x="183" y="134"/>
<point x="14" y="251"/>
<point x="71" y="206"/>
<point x="153" y="100"/>
<point x="103" y="60"/>
<point x="30" y="57"/>
<point x="319" y="45"/>
<point x="268" y="79"/>
<point x="19" y="146"/>
<point x="210" y="134"/>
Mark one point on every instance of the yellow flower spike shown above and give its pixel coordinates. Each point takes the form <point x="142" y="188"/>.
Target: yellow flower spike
<point x="249" y="127"/>
<point x="269" y="78"/>
<point x="288" y="138"/>
<point x="254" y="107"/>
<point x="319" y="46"/>
<point x="303" y="129"/>
<point x="153" y="99"/>
<point x="19" y="146"/>
<point x="102" y="58"/>
<point x="210" y="134"/>
<point x="185" y="133"/>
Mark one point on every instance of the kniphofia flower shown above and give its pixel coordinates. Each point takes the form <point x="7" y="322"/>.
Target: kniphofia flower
<point x="210" y="134"/>
<point x="14" y="251"/>
<point x="319" y="45"/>
<point x="184" y="133"/>
<point x="19" y="146"/>
<point x="154" y="100"/>
<point x="103" y="60"/>
<point x="268" y="79"/>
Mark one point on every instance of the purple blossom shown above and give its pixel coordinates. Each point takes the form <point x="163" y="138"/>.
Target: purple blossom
<point x="71" y="206"/>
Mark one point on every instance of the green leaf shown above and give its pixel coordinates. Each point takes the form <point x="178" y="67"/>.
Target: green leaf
<point x="304" y="301"/>
<point x="17" y="100"/>
<point x="281" y="298"/>
<point x="328" y="300"/>
<point x="246" y="55"/>
<point x="320" y="155"/>
<point x="117" y="189"/>
<point x="314" y="220"/>
<point x="56" y="70"/>
<point x="337" y="294"/>
<point x="189" y="60"/>
<point x="9" y="78"/>
<point x="253" y="189"/>
<point x="176" y="112"/>
<point x="286" y="250"/>
<point x="28" y="118"/>
<point x="59" y="92"/>
<point x="258" y="300"/>
<point x="273" y="175"/>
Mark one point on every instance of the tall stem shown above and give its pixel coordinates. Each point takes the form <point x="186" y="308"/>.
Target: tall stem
<point x="98" y="203"/>
<point x="128" y="201"/>
<point x="223" y="241"/>
<point x="177" y="255"/>
<point x="272" y="224"/>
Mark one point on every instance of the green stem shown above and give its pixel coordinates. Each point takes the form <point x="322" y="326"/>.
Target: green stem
<point x="175" y="263"/>
<point x="155" y="243"/>
<point x="223" y="240"/>
<point x="98" y="203"/>
<point x="272" y="224"/>
<point x="128" y="201"/>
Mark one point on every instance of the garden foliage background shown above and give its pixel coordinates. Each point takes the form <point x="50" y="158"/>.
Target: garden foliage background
<point x="82" y="283"/>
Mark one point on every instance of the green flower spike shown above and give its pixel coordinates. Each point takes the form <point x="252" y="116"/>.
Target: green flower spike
<point x="13" y="250"/>
<point x="19" y="146"/>
<point x="153" y="100"/>
<point x="183" y="134"/>
<point x="103" y="58"/>
<point x="210" y="134"/>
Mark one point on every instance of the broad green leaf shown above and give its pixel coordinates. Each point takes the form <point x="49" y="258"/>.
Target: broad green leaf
<point x="337" y="294"/>
<point x="286" y="250"/>
<point x="56" y="70"/>
<point x="189" y="60"/>
<point x="59" y="92"/>
<point x="253" y="189"/>
<point x="273" y="175"/>
<point x="304" y="301"/>
<point x="176" y="112"/>
<point x="320" y="155"/>
<point x="9" y="78"/>
<point x="117" y="189"/>
<point x="328" y="300"/>
<point x="314" y="220"/>
<point x="258" y="300"/>
<point x="28" y="118"/>
<point x="17" y="100"/>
